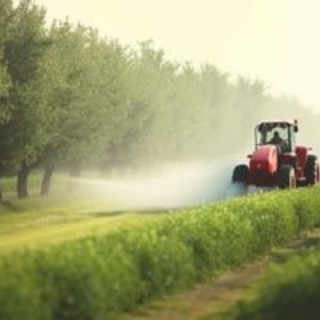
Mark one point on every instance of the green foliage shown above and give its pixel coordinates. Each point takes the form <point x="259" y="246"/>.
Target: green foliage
<point x="217" y="237"/>
<point x="99" y="276"/>
<point x="5" y="81"/>
<point x="290" y="291"/>
<point x="23" y="48"/>
<point x="307" y="209"/>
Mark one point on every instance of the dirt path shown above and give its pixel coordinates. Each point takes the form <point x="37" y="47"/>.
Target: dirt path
<point x="211" y="299"/>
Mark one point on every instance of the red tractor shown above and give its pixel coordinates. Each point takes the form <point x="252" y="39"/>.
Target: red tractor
<point x="277" y="161"/>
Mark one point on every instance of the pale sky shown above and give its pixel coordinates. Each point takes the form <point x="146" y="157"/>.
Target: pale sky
<point x="272" y="40"/>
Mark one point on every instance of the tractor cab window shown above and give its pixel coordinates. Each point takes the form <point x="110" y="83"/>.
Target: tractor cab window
<point x="281" y="135"/>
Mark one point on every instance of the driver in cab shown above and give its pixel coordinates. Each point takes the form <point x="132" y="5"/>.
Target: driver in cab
<point x="277" y="140"/>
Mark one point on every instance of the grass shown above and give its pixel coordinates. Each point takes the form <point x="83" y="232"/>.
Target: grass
<point x="61" y="216"/>
<point x="41" y="234"/>
<point x="101" y="275"/>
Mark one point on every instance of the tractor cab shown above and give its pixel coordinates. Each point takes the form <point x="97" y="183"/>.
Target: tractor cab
<point x="281" y="134"/>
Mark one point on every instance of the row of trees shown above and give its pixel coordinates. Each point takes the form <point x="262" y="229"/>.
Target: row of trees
<point x="71" y="98"/>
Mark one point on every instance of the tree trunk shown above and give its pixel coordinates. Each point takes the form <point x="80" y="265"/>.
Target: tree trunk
<point x="22" y="183"/>
<point x="46" y="180"/>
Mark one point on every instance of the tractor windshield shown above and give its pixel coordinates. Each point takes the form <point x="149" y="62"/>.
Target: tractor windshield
<point x="280" y="134"/>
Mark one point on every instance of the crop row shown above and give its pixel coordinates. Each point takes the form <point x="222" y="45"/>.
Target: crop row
<point x="290" y="291"/>
<point x="100" y="276"/>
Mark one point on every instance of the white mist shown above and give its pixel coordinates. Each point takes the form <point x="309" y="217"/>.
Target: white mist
<point x="172" y="185"/>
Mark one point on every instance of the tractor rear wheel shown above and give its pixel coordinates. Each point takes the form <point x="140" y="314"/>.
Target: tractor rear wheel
<point x="286" y="177"/>
<point x="240" y="174"/>
<point x="311" y="171"/>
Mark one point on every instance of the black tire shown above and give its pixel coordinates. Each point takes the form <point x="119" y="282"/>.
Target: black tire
<point x="286" y="177"/>
<point x="240" y="174"/>
<point x="311" y="171"/>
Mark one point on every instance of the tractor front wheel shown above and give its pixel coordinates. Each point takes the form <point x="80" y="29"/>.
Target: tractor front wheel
<point x="240" y="174"/>
<point x="286" y="177"/>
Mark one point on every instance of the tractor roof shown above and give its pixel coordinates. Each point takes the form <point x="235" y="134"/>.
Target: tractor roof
<point x="273" y="124"/>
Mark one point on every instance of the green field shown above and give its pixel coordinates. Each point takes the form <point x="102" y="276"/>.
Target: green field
<point x="66" y="260"/>
<point x="61" y="216"/>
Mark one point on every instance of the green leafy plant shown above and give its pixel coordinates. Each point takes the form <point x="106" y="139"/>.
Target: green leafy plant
<point x="100" y="276"/>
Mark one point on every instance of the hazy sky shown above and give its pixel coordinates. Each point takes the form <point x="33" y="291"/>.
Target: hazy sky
<point x="274" y="40"/>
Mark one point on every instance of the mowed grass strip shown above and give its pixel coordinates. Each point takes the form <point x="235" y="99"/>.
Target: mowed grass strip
<point x="61" y="216"/>
<point x="47" y="234"/>
<point x="100" y="276"/>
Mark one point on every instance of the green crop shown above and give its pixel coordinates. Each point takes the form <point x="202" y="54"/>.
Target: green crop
<point x="290" y="291"/>
<point x="100" y="276"/>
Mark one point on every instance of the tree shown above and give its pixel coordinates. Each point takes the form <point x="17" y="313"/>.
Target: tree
<point x="6" y="17"/>
<point x="87" y="95"/>
<point x="21" y="136"/>
<point x="6" y="12"/>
